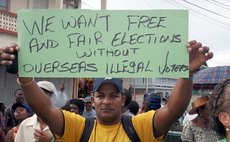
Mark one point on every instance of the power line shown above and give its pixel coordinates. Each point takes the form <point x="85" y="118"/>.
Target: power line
<point x="200" y="15"/>
<point x="218" y="4"/>
<point x="221" y="3"/>
<point x="207" y="10"/>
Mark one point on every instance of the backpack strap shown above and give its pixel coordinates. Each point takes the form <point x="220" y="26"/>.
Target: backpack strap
<point x="89" y="123"/>
<point x="129" y="129"/>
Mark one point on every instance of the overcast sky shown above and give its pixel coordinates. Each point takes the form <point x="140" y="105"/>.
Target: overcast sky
<point x="209" y="20"/>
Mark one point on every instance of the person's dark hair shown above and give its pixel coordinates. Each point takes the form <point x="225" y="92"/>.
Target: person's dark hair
<point x="128" y="96"/>
<point x="78" y="102"/>
<point x="133" y="107"/>
<point x="2" y="107"/>
<point x="219" y="102"/>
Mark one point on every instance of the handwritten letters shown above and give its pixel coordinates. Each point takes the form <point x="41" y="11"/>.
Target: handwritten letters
<point x="93" y="43"/>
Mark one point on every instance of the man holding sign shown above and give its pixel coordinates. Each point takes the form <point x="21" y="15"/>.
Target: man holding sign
<point x="108" y="101"/>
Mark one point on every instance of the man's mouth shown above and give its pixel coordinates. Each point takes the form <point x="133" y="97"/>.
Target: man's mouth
<point x="107" y="109"/>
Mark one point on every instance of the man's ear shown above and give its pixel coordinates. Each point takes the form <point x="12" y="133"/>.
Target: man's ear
<point x="123" y="100"/>
<point x="92" y="100"/>
<point x="224" y="118"/>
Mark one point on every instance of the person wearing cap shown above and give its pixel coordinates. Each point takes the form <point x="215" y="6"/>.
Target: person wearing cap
<point x="9" y="118"/>
<point x="108" y="100"/>
<point x="152" y="101"/>
<point x="34" y="128"/>
<point x="21" y="111"/>
<point x="89" y="110"/>
<point x="197" y="130"/>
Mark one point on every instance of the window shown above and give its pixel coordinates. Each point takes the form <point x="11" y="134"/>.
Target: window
<point x="41" y="4"/>
<point x="4" y="4"/>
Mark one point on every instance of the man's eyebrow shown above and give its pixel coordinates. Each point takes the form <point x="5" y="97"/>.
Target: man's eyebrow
<point x="101" y="92"/>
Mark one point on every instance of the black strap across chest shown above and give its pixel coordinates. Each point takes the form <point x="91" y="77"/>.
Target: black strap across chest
<point x="126" y="122"/>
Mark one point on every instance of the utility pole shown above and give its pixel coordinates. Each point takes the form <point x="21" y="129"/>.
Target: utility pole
<point x="147" y="85"/>
<point x="103" y="4"/>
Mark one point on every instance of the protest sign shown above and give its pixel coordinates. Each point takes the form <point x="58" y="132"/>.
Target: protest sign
<point x="103" y="43"/>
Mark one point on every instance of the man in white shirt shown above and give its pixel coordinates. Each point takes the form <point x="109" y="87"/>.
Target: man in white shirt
<point x="33" y="129"/>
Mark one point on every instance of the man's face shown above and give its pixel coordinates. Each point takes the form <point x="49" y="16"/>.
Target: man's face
<point x="108" y="103"/>
<point x="19" y="97"/>
<point x="74" y="108"/>
<point x="21" y="114"/>
<point x="88" y="106"/>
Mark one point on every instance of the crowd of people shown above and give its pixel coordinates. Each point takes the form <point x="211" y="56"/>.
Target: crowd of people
<point x="34" y="117"/>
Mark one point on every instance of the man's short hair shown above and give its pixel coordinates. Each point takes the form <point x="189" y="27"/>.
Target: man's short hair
<point x="128" y="96"/>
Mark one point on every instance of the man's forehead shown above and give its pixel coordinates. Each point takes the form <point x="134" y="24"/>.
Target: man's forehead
<point x="106" y="84"/>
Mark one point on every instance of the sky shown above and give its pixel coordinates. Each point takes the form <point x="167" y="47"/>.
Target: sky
<point x="209" y="21"/>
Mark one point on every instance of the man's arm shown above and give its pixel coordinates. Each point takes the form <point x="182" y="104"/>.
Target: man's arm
<point x="182" y="92"/>
<point x="39" y="102"/>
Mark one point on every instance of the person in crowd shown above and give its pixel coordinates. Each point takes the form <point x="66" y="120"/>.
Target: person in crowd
<point x="219" y="108"/>
<point x="164" y="100"/>
<point x="198" y="129"/>
<point x="108" y="100"/>
<point x="61" y="98"/>
<point x="128" y="99"/>
<point x="151" y="101"/>
<point x="188" y="117"/>
<point x="2" y="135"/>
<point x="21" y="111"/>
<point x="2" y="120"/>
<point x="9" y="119"/>
<point x="2" y="112"/>
<point x="34" y="129"/>
<point x="77" y="106"/>
<point x="89" y="110"/>
<point x="133" y="107"/>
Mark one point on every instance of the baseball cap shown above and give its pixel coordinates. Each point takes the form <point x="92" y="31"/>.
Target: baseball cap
<point x="21" y="104"/>
<point x="49" y="86"/>
<point x="87" y="99"/>
<point x="153" y="101"/>
<point x="116" y="81"/>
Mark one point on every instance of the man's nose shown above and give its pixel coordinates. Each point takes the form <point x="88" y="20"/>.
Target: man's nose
<point x="107" y="99"/>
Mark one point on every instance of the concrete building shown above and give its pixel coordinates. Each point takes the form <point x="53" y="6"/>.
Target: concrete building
<point x="140" y="86"/>
<point x="8" y="35"/>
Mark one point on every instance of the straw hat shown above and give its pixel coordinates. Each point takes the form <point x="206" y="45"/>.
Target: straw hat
<point x="198" y="103"/>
